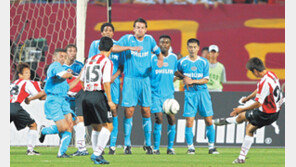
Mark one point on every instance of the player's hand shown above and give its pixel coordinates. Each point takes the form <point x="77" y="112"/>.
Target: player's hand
<point x="27" y="100"/>
<point x="111" y="105"/>
<point x="136" y="48"/>
<point x="159" y="63"/>
<point x="235" y="111"/>
<point x="245" y="99"/>
<point x="187" y="81"/>
<point x="112" y="79"/>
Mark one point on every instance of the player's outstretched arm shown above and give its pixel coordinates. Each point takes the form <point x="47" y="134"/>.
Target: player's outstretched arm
<point x="40" y="95"/>
<point x="251" y="96"/>
<point x="117" y="48"/>
<point x="67" y="75"/>
<point x="236" y="111"/>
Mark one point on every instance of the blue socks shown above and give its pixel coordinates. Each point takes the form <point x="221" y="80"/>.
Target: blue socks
<point x="210" y="131"/>
<point x="147" y="126"/>
<point x="127" y="124"/>
<point x="189" y="135"/>
<point x="65" y="141"/>
<point x="157" y="135"/>
<point x="171" y="135"/>
<point x="53" y="129"/>
<point x="114" y="132"/>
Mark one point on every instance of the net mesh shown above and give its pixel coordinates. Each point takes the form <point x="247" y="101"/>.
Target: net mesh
<point x="36" y="30"/>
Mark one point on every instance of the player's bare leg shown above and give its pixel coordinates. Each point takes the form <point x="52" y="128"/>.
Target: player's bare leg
<point x="80" y="137"/>
<point x="189" y="135"/>
<point x="240" y="118"/>
<point x="100" y="141"/>
<point x="127" y="124"/>
<point x="32" y="137"/>
<point x="147" y="127"/>
<point x="157" y="132"/>
<point x="248" y="141"/>
<point x="114" y="132"/>
<point x="171" y="133"/>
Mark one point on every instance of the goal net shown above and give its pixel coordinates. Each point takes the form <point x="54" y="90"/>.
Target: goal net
<point x="37" y="28"/>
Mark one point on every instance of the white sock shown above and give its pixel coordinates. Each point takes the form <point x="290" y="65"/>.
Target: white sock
<point x="79" y="136"/>
<point x="276" y="128"/>
<point x="190" y="146"/>
<point x="232" y="120"/>
<point x="94" y="139"/>
<point x="211" y="145"/>
<point x="246" y="146"/>
<point x="102" y="141"/>
<point x="32" y="138"/>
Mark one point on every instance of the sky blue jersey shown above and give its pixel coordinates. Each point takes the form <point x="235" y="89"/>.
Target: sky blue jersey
<point x="162" y="79"/>
<point x="196" y="70"/>
<point x="76" y="67"/>
<point x="55" y="85"/>
<point x="138" y="64"/>
<point x="116" y="58"/>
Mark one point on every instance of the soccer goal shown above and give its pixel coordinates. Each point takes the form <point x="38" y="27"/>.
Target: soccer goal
<point x="36" y="30"/>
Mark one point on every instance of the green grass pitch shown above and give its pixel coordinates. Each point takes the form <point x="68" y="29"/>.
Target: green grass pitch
<point x="257" y="157"/>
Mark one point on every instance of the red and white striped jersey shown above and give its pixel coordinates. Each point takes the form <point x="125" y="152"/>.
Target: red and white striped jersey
<point x="269" y="93"/>
<point x="97" y="71"/>
<point x="20" y="89"/>
<point x="76" y="89"/>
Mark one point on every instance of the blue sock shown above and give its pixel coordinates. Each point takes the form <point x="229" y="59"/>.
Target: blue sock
<point x="189" y="135"/>
<point x="65" y="141"/>
<point x="127" y="124"/>
<point x="147" y="126"/>
<point x="157" y="135"/>
<point x="113" y="136"/>
<point x="171" y="135"/>
<point x="53" y="129"/>
<point x="210" y="131"/>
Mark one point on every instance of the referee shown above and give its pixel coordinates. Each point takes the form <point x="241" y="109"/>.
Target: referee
<point x="96" y="77"/>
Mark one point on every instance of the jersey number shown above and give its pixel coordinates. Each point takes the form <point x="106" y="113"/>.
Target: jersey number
<point x="14" y="89"/>
<point x="277" y="93"/>
<point x="94" y="70"/>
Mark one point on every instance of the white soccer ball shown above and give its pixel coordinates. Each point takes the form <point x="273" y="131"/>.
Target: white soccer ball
<point x="171" y="106"/>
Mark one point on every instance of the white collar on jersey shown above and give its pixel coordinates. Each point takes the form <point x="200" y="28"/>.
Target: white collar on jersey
<point x="187" y="57"/>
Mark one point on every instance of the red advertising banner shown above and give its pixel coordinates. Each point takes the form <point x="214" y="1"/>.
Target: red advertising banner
<point x="241" y="31"/>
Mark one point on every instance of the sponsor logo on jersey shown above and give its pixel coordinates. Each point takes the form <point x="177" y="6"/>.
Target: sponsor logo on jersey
<point x="193" y="68"/>
<point x="141" y="54"/>
<point x="165" y="64"/>
<point x="194" y="75"/>
<point x="164" y="71"/>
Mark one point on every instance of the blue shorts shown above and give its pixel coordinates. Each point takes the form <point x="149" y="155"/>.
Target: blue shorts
<point x="56" y="107"/>
<point x="157" y="102"/>
<point x="115" y="92"/>
<point x="136" y="91"/>
<point x="198" y="101"/>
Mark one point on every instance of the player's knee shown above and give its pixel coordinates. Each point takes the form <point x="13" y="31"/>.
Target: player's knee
<point x="108" y="126"/>
<point x="171" y="120"/>
<point x="80" y="119"/>
<point x="114" y="113"/>
<point x="189" y="123"/>
<point x="128" y="112"/>
<point x="158" y="118"/>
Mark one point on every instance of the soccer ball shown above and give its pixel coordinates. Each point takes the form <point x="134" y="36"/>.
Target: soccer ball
<point x="171" y="106"/>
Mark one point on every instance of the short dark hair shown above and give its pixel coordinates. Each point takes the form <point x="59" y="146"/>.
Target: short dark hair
<point x="205" y="48"/>
<point x="21" y="66"/>
<point x="107" y="25"/>
<point x="255" y="63"/>
<point x="106" y="44"/>
<point x="141" y="20"/>
<point x="70" y="46"/>
<point x="193" y="40"/>
<point x="165" y="36"/>
<point x="57" y="50"/>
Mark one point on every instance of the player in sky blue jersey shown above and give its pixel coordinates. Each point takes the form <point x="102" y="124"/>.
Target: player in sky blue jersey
<point x="107" y="30"/>
<point x="75" y="67"/>
<point x="136" y="84"/>
<point x="162" y="88"/>
<point x="56" y="107"/>
<point x="197" y="97"/>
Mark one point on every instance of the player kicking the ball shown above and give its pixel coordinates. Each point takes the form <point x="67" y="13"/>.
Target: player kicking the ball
<point x="162" y="88"/>
<point x="197" y="97"/>
<point x="264" y="111"/>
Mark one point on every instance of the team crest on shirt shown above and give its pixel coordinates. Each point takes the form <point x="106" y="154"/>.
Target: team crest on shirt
<point x="165" y="64"/>
<point x="193" y="68"/>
